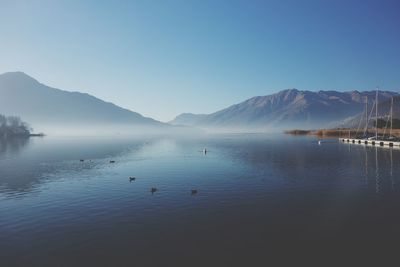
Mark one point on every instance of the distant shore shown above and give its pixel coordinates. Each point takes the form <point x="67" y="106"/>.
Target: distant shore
<point x="340" y="132"/>
<point x="37" y="135"/>
<point x="7" y="136"/>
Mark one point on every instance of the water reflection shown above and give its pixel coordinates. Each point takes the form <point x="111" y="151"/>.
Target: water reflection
<point x="9" y="146"/>
<point x="377" y="175"/>
<point x="255" y="192"/>
<point x="300" y="163"/>
<point x="366" y="166"/>
<point x="25" y="164"/>
<point x="391" y="168"/>
<point x="379" y="161"/>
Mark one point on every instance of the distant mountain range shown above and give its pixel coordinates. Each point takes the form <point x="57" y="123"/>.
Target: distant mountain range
<point x="44" y="107"/>
<point x="290" y="108"/>
<point x="39" y="105"/>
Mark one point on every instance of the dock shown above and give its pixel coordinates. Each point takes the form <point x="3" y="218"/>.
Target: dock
<point x="371" y="142"/>
<point x="377" y="140"/>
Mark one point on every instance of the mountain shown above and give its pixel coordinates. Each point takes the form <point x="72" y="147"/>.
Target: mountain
<point x="289" y="108"/>
<point x="188" y="119"/>
<point x="41" y="105"/>
<point x="384" y="108"/>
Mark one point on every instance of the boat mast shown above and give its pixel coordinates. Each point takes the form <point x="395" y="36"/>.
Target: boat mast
<point x="366" y="115"/>
<point x="376" y="114"/>
<point x="391" y="119"/>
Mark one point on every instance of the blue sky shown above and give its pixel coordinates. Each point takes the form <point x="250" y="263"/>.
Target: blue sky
<point x="162" y="58"/>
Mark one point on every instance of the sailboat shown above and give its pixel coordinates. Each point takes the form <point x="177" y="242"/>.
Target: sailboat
<point x="376" y="117"/>
<point x="376" y="139"/>
<point x="390" y="136"/>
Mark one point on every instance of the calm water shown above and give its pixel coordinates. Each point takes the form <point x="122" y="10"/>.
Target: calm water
<point x="260" y="198"/>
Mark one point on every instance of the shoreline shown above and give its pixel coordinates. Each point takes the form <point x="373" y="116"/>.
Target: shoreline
<point x="37" y="135"/>
<point x="353" y="133"/>
<point x="22" y="135"/>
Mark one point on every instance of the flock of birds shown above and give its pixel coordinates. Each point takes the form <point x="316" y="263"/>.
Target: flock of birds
<point x="154" y="189"/>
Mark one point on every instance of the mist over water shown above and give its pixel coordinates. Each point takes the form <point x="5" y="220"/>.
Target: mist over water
<point x="258" y="196"/>
<point x="113" y="130"/>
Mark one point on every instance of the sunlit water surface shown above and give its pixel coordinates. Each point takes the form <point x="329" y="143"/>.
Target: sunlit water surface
<point x="258" y="196"/>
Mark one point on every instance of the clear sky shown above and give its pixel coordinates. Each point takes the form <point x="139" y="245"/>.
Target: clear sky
<point x="162" y="58"/>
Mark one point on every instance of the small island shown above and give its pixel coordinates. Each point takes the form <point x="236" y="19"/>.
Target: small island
<point x="13" y="126"/>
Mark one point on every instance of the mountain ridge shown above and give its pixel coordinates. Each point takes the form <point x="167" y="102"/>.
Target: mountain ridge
<point x="37" y="103"/>
<point x="289" y="108"/>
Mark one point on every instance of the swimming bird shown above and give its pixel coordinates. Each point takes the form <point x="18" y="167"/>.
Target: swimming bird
<point x="193" y="191"/>
<point x="82" y="160"/>
<point x="112" y="161"/>
<point x="153" y="190"/>
<point x="132" y="179"/>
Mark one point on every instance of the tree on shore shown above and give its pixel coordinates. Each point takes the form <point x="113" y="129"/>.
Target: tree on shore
<point x="13" y="126"/>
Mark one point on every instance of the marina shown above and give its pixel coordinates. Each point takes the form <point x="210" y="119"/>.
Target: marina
<point x="371" y="142"/>
<point x="376" y="140"/>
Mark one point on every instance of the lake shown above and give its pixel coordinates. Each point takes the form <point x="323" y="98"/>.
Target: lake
<point x="260" y="198"/>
